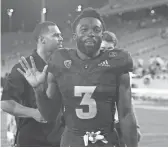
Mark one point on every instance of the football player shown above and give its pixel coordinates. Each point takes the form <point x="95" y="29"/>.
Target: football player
<point x="109" y="41"/>
<point x="90" y="82"/>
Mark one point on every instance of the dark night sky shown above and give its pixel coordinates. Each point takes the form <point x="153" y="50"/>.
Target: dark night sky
<point x="28" y="11"/>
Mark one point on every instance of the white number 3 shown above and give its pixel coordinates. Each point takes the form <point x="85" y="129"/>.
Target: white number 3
<point x="86" y="100"/>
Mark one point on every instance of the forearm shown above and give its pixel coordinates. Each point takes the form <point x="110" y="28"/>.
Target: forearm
<point x="129" y="129"/>
<point x="138" y="126"/>
<point x="17" y="109"/>
<point x="48" y="107"/>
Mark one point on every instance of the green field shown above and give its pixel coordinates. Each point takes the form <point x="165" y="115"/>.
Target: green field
<point x="153" y="122"/>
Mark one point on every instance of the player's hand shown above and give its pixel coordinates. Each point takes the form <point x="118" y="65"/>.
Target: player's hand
<point x="38" y="117"/>
<point x="31" y="74"/>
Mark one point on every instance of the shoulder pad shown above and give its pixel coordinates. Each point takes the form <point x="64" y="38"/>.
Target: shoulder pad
<point x="60" y="56"/>
<point x="122" y="59"/>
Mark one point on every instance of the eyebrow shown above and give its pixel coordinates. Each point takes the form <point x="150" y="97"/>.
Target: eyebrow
<point x="85" y="25"/>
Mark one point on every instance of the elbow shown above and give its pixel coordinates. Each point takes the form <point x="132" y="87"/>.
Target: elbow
<point x="8" y="106"/>
<point x="48" y="116"/>
<point x="3" y="106"/>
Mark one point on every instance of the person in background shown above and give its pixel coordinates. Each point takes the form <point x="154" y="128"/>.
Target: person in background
<point x="151" y="60"/>
<point x="18" y="97"/>
<point x="109" y="41"/>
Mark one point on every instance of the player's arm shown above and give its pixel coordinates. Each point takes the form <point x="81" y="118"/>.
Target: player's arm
<point x="127" y="118"/>
<point x="11" y="96"/>
<point x="48" y="100"/>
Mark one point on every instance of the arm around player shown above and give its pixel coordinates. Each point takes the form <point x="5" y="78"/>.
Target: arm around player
<point x="13" y="98"/>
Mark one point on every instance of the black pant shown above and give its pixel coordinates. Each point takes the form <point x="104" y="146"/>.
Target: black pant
<point x="31" y="135"/>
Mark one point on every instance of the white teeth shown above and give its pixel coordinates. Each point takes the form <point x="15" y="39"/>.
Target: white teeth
<point x="90" y="42"/>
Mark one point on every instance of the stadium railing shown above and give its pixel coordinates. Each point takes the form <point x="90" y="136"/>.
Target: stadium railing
<point x="159" y="94"/>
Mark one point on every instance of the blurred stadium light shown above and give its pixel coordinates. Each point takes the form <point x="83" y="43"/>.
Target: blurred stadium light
<point x="10" y="13"/>
<point x="79" y="8"/>
<point x="43" y="10"/>
<point x="152" y="12"/>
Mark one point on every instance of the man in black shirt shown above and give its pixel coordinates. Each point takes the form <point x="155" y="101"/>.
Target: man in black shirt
<point x="18" y="98"/>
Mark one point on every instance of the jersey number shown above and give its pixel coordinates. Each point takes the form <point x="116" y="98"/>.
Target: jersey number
<point x="86" y="100"/>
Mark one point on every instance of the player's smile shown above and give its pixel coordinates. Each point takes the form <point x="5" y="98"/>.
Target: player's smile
<point x="90" y="42"/>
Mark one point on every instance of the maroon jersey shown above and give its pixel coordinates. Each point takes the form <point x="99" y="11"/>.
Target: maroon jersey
<point x="89" y="87"/>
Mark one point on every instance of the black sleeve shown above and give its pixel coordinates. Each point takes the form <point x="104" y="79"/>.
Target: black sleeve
<point x="129" y="63"/>
<point x="14" y="86"/>
<point x="125" y="64"/>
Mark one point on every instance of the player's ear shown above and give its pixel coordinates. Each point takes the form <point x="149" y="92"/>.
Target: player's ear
<point x="42" y="39"/>
<point x="103" y="34"/>
<point x="74" y="36"/>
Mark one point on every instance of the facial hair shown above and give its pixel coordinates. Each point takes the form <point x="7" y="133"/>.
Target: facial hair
<point x="89" y="51"/>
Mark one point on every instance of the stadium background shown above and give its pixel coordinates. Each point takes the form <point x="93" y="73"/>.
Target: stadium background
<point x="141" y="27"/>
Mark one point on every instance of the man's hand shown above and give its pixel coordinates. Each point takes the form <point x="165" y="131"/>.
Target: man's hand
<point x="38" y="117"/>
<point x="117" y="126"/>
<point x="32" y="75"/>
